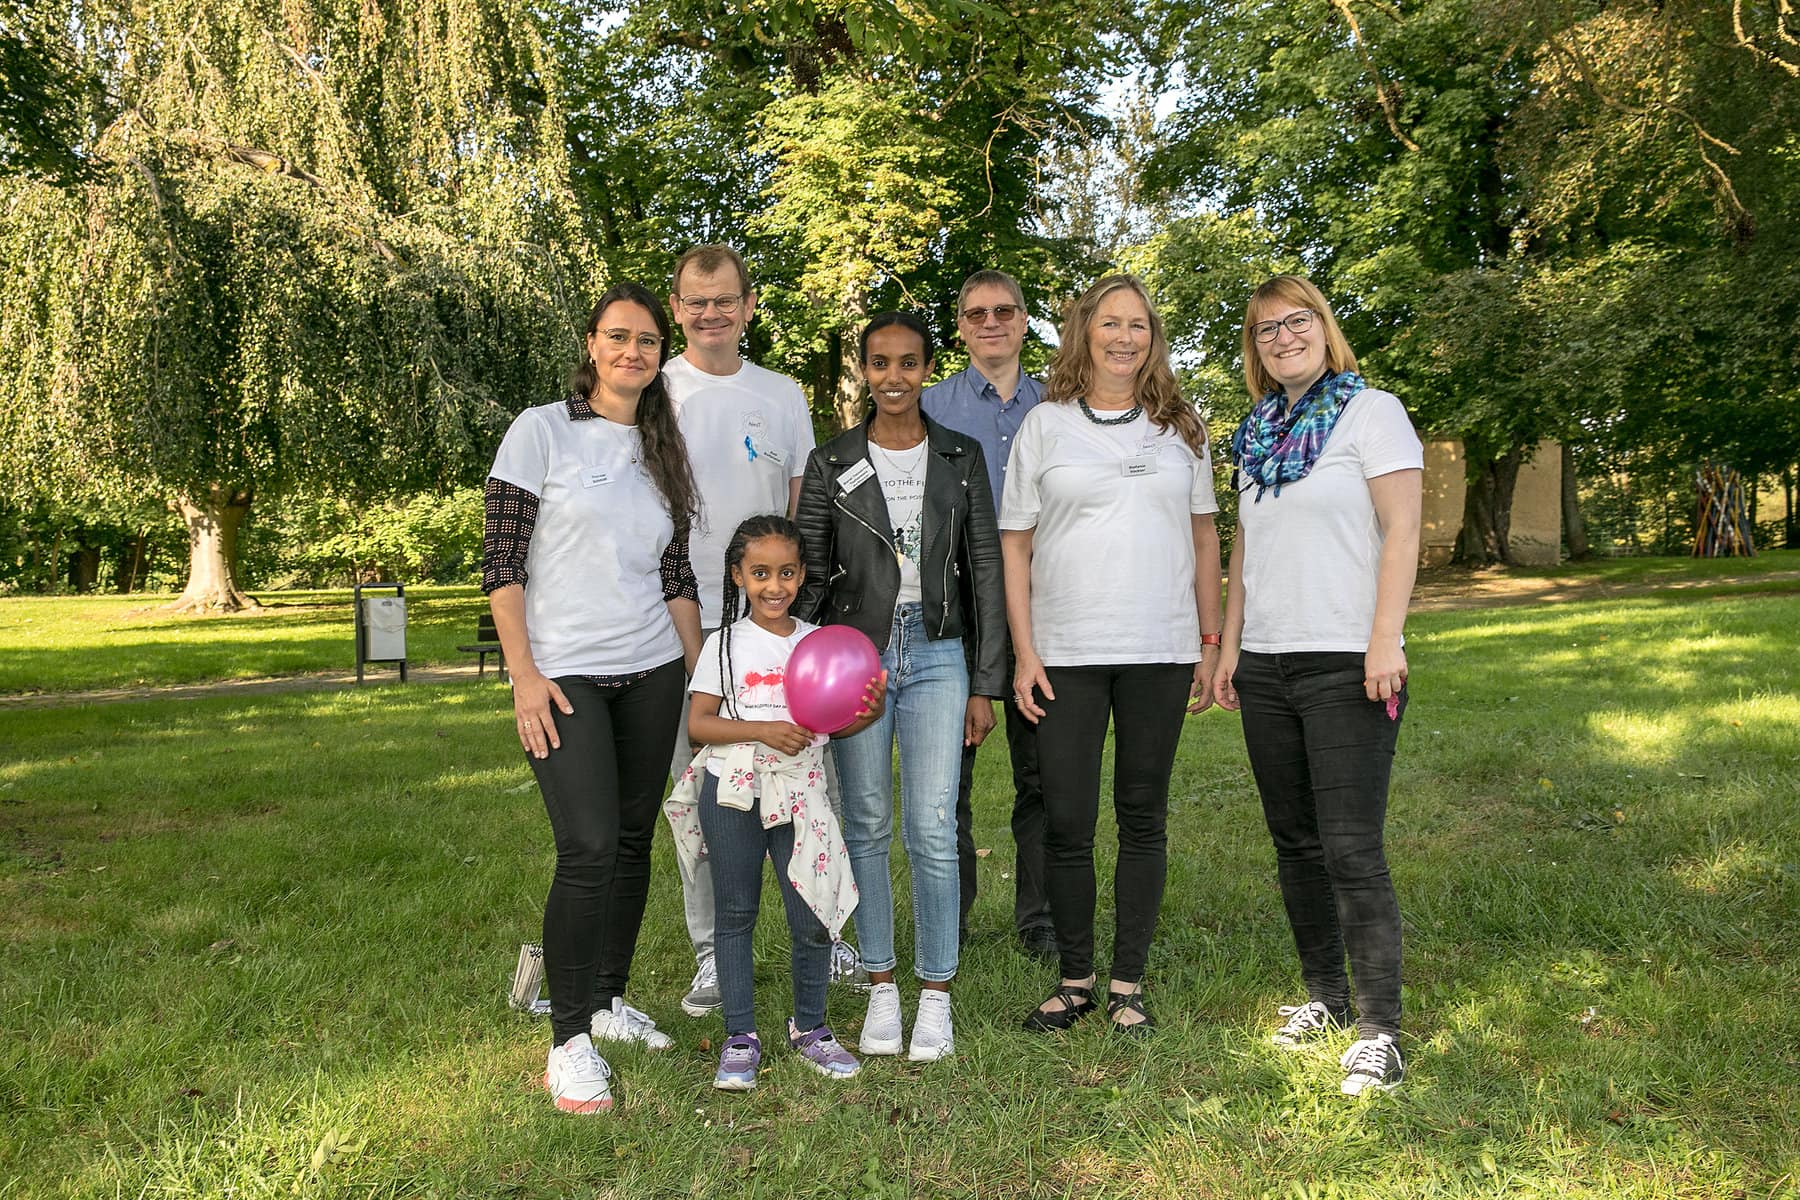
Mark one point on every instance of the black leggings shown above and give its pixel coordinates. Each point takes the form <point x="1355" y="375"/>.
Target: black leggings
<point x="603" y="790"/>
<point x="1147" y="702"/>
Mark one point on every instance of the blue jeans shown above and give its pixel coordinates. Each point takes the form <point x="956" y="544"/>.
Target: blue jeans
<point x="927" y="696"/>
<point x="1322" y="753"/>
<point x="735" y="843"/>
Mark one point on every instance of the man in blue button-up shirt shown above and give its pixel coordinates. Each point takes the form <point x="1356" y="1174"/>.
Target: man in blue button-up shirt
<point x="988" y="402"/>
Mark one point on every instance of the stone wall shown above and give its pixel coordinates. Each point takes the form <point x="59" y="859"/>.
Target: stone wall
<point x="1536" y="513"/>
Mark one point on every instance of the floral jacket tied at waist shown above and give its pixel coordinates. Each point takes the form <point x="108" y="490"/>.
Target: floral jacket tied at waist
<point x="792" y="790"/>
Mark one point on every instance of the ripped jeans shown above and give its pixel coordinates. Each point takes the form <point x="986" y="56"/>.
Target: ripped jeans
<point x="927" y="696"/>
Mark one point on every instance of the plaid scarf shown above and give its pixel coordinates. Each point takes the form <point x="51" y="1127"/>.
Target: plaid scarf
<point x="1270" y="448"/>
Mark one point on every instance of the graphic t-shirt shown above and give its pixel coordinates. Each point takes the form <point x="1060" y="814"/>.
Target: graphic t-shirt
<point x="901" y="474"/>
<point x="747" y="436"/>
<point x="759" y="674"/>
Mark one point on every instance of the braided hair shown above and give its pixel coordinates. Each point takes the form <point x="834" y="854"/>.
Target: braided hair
<point x="749" y="530"/>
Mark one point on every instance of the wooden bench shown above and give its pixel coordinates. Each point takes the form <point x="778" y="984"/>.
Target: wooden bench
<point x="487" y="641"/>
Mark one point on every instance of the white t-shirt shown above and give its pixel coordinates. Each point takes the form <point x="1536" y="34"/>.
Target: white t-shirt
<point x="747" y="435"/>
<point x="901" y="474"/>
<point x="1112" y="558"/>
<point x="759" y="662"/>
<point x="1311" y="554"/>
<point x="593" y="596"/>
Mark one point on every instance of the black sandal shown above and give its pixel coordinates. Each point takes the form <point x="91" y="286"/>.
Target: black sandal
<point x="1118" y="1002"/>
<point x="1077" y="1003"/>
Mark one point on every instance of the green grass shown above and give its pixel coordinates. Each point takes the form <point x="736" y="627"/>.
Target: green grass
<point x="258" y="946"/>
<point x="1652" y="570"/>
<point x="78" y="643"/>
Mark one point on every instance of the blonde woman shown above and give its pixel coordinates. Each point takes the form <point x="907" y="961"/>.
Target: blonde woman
<point x="1328" y="472"/>
<point x="1112" y="595"/>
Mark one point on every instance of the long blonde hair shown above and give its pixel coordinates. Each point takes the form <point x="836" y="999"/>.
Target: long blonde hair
<point x="1072" y="367"/>
<point x="1300" y="292"/>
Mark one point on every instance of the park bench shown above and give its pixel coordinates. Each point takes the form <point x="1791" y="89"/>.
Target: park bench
<point x="487" y="641"/>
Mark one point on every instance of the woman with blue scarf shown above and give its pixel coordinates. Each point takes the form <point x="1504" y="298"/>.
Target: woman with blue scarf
<point x="1328" y="478"/>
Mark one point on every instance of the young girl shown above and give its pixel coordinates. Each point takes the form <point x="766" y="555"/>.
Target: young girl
<point x="758" y="787"/>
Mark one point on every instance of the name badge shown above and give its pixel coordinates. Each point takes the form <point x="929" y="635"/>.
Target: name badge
<point x="775" y="456"/>
<point x="856" y="476"/>
<point x="595" y="477"/>
<point x="1138" y="464"/>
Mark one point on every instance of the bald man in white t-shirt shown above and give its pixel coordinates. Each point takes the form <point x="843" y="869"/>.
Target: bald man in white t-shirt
<point x="748" y="433"/>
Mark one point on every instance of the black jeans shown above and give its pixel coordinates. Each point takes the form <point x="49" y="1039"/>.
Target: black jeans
<point x="1031" y="907"/>
<point x="1147" y="703"/>
<point x="736" y="843"/>
<point x="603" y="790"/>
<point x="1322" y="752"/>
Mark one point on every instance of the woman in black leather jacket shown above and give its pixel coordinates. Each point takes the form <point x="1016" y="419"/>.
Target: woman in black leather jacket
<point x="901" y="543"/>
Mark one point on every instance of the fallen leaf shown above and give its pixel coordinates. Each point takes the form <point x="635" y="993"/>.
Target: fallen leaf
<point x="983" y="851"/>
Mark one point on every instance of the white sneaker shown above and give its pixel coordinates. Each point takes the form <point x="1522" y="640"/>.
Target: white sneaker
<point x="626" y="1024"/>
<point x="1373" y="1065"/>
<point x="881" y="1031"/>
<point x="577" y="1077"/>
<point x="703" y="994"/>
<point x="933" y="1037"/>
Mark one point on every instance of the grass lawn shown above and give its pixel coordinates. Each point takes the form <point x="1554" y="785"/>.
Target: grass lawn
<point x="78" y="643"/>
<point x="258" y="946"/>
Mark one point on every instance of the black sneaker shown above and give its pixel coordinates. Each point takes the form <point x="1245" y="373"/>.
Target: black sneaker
<point x="1373" y="1064"/>
<point x="1307" y="1023"/>
<point x="1039" y="943"/>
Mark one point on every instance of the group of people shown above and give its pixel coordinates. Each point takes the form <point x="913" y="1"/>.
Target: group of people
<point x="659" y="541"/>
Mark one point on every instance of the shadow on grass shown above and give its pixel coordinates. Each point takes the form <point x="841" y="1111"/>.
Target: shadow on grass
<point x="305" y="908"/>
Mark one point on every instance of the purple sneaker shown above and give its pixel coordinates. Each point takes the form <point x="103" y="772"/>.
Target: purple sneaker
<point x="738" y="1063"/>
<point x="822" y="1052"/>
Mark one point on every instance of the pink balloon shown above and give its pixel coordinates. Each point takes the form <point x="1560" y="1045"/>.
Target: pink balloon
<point x="826" y="676"/>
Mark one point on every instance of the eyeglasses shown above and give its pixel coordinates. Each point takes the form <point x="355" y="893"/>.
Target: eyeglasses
<point x="727" y="304"/>
<point x="1296" y="322"/>
<point x="1002" y="313"/>
<point x="647" y="342"/>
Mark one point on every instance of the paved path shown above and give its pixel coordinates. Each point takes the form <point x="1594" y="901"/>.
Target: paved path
<point x="1441" y="590"/>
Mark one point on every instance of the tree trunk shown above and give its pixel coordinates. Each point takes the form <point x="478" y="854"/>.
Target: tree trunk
<point x="1487" y="513"/>
<point x="1787" y="525"/>
<point x="212" y="520"/>
<point x="131" y="561"/>
<point x="839" y="386"/>
<point x="84" y="568"/>
<point x="1574" y="528"/>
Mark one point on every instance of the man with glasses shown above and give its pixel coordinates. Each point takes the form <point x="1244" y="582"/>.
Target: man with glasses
<point x="748" y="433"/>
<point x="988" y="401"/>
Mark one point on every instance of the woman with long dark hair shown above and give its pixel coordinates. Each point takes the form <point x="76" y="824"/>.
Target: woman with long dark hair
<point x="1328" y="477"/>
<point x="585" y="564"/>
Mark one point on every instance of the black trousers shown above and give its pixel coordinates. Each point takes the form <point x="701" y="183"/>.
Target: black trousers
<point x="1323" y="752"/>
<point x="1031" y="906"/>
<point x="1147" y="703"/>
<point x="603" y="790"/>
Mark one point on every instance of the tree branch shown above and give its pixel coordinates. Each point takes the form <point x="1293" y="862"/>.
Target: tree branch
<point x="1749" y="43"/>
<point x="1382" y="95"/>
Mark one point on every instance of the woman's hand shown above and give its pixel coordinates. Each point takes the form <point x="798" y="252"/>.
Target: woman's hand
<point x="784" y="736"/>
<point x="1201" y="695"/>
<point x="978" y="720"/>
<point x="1224" y="694"/>
<point x="1028" y="674"/>
<point x="1384" y="668"/>
<point x="533" y="697"/>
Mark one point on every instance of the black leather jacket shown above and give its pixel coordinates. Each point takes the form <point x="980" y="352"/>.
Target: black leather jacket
<point x="852" y="577"/>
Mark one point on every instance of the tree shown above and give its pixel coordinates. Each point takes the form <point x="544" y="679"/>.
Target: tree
<point x="864" y="154"/>
<point x="321" y="247"/>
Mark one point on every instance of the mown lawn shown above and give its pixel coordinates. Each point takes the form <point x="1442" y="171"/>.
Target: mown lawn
<point x="258" y="946"/>
<point x="79" y="643"/>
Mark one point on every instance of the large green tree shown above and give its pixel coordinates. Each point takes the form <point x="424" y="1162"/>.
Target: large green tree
<point x="865" y="154"/>
<point x="322" y="246"/>
<point x="1537" y="219"/>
